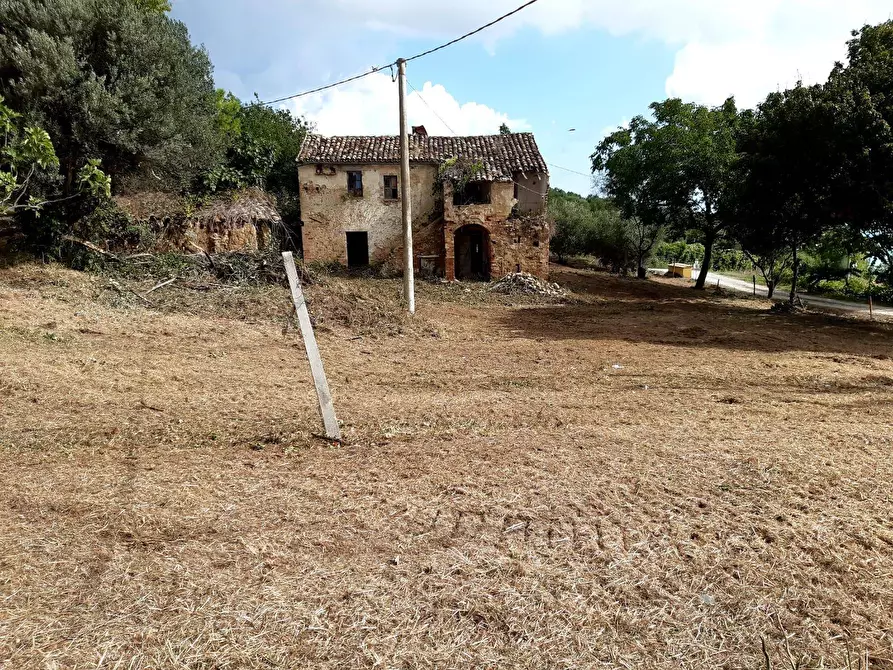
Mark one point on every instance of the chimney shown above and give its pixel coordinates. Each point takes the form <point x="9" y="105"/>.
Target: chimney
<point x="419" y="130"/>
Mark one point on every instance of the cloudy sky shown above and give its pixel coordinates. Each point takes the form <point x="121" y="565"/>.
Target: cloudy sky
<point x="559" y="64"/>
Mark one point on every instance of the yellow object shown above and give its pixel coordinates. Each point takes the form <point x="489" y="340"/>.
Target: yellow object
<point x="679" y="270"/>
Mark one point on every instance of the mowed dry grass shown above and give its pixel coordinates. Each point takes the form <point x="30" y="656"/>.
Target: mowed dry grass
<point x="506" y="496"/>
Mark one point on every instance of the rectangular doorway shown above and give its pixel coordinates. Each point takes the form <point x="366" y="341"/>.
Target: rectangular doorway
<point x="357" y="249"/>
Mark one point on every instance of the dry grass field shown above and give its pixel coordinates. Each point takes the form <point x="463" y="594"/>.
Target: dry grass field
<point x="644" y="477"/>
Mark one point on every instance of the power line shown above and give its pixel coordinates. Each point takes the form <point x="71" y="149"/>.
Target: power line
<point x="473" y="32"/>
<point x="433" y="111"/>
<point x="419" y="55"/>
<point x="455" y="134"/>
<point x="327" y="86"/>
<point x="582" y="174"/>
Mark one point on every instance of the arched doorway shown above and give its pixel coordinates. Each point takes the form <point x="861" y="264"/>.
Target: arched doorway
<point x="472" y="245"/>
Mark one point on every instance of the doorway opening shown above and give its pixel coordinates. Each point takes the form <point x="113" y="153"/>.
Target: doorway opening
<point x="357" y="249"/>
<point x="472" y="244"/>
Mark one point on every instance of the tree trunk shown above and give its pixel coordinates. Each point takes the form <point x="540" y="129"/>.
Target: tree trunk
<point x="793" y="297"/>
<point x="69" y="178"/>
<point x="708" y="260"/>
<point x="771" y="286"/>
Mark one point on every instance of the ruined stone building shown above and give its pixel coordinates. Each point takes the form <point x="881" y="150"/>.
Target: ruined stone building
<point x="478" y="203"/>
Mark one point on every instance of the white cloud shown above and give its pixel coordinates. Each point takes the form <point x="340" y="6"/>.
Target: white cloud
<point x="741" y="47"/>
<point x="369" y="106"/>
<point x="744" y="48"/>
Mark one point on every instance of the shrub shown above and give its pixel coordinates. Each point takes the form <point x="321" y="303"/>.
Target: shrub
<point x="679" y="252"/>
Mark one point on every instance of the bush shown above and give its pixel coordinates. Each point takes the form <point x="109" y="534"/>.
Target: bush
<point x="679" y="252"/>
<point x="730" y="260"/>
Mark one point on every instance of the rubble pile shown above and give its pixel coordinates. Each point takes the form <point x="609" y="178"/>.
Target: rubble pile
<point x="521" y="283"/>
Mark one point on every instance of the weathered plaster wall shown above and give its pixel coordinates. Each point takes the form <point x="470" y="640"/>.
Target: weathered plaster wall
<point x="328" y="212"/>
<point x="516" y="244"/>
<point x="532" y="191"/>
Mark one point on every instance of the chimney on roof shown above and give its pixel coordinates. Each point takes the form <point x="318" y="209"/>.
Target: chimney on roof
<point x="419" y="130"/>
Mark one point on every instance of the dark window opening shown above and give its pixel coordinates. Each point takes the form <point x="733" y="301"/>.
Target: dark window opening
<point x="357" y="249"/>
<point x="474" y="193"/>
<point x="390" y="187"/>
<point x="355" y="184"/>
<point x="319" y="169"/>
<point x="516" y="191"/>
<point x="536" y="243"/>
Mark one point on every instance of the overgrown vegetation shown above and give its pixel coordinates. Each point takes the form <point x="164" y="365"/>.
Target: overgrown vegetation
<point x="119" y="83"/>
<point x="595" y="227"/>
<point x="262" y="145"/>
<point x="800" y="184"/>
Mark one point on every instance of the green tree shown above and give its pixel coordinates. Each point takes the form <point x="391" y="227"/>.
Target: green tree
<point x="504" y="129"/>
<point x="862" y="93"/>
<point x="573" y="224"/>
<point x="596" y="227"/>
<point x="262" y="146"/>
<point x="109" y="79"/>
<point x="154" y="6"/>
<point x="788" y="187"/>
<point x="229" y="117"/>
<point x="674" y="169"/>
<point x="26" y="153"/>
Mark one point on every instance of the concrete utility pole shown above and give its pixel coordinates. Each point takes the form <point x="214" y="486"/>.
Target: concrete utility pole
<point x="406" y="202"/>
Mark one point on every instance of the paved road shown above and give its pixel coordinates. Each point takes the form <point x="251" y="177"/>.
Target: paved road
<point x="734" y="284"/>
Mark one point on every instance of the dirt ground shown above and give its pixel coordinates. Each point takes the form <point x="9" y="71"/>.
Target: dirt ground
<point x="644" y="477"/>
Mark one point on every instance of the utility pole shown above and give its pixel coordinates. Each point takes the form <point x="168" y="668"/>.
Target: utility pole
<point x="406" y="203"/>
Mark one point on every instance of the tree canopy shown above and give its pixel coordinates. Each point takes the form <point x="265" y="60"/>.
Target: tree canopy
<point x="674" y="168"/>
<point x="808" y="170"/>
<point x="118" y="80"/>
<point x="596" y="227"/>
<point x="815" y="163"/>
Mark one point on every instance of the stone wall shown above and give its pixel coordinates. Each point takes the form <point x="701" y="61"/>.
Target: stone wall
<point x="242" y="220"/>
<point x="217" y="237"/>
<point x="328" y="211"/>
<point x="519" y="244"/>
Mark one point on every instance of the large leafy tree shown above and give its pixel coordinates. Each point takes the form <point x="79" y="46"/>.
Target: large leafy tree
<point x="788" y="186"/>
<point x="674" y="169"/>
<point x="817" y="163"/>
<point x="863" y="146"/>
<point x="114" y="79"/>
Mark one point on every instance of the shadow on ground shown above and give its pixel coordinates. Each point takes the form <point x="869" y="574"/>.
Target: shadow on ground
<point x="661" y="312"/>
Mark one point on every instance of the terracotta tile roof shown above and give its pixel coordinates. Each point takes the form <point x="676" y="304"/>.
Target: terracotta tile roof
<point x="502" y="155"/>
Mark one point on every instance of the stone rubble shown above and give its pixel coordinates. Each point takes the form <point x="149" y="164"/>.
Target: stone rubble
<point x="522" y="283"/>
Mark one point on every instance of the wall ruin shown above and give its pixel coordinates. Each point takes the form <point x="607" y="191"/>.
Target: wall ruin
<point x="517" y="243"/>
<point x="518" y="233"/>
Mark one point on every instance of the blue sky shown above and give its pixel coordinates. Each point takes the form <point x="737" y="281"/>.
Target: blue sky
<point x="560" y="64"/>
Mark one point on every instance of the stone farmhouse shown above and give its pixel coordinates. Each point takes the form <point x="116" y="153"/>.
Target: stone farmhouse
<point x="478" y="203"/>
